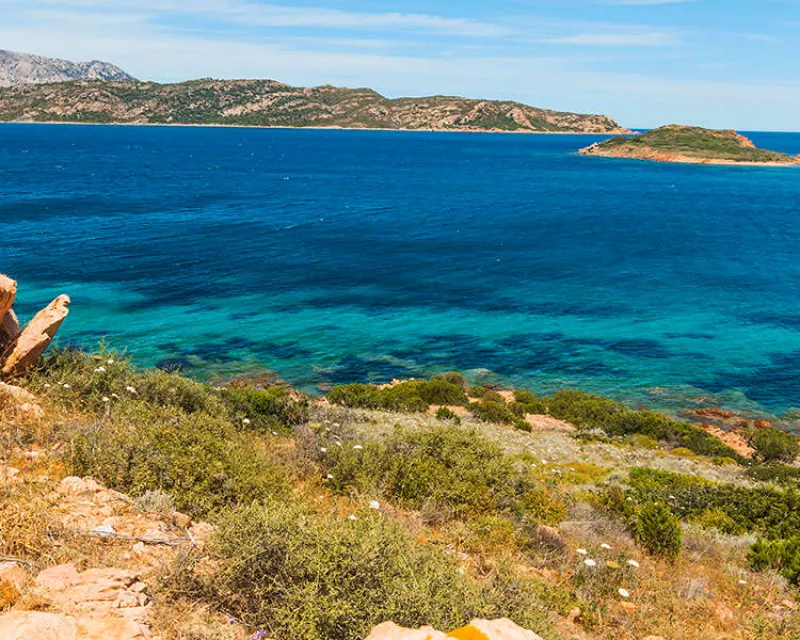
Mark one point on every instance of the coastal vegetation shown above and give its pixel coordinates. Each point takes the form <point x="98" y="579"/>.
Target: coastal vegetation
<point x="415" y="501"/>
<point x="674" y="143"/>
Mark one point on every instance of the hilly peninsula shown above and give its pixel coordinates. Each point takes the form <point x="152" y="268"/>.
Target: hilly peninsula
<point x="693" y="145"/>
<point x="267" y="103"/>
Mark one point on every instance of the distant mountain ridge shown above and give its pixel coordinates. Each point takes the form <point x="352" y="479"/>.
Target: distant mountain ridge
<point x="25" y="68"/>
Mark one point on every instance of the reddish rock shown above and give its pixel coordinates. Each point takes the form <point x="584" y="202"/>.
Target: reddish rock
<point x="37" y="336"/>
<point x="9" y="331"/>
<point x="8" y="292"/>
<point x="489" y="630"/>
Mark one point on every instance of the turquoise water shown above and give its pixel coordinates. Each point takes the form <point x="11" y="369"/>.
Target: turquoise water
<point x="333" y="256"/>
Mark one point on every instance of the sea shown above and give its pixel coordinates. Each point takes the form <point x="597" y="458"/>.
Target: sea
<point x="331" y="257"/>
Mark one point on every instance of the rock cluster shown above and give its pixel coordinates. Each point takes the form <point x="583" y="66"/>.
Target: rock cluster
<point x="20" y="349"/>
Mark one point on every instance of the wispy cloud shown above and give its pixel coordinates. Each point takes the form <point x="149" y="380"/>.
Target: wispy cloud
<point x="647" y="39"/>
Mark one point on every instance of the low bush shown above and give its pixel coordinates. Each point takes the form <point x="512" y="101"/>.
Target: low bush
<point x="455" y="378"/>
<point x="493" y="412"/>
<point x="295" y="574"/>
<point x="658" y="531"/>
<point x="765" y="510"/>
<point x="265" y="409"/>
<point x="779" y="555"/>
<point x="485" y="393"/>
<point x="774" y="445"/>
<point x="458" y="470"/>
<point x="781" y="474"/>
<point x="199" y="460"/>
<point x="443" y="413"/>
<point x="413" y="396"/>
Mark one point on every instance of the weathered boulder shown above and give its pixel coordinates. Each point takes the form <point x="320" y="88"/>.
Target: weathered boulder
<point x="485" y="629"/>
<point x="38" y="625"/>
<point x="17" y="401"/>
<point x="8" y="292"/>
<point x="9" y="331"/>
<point x="37" y="336"/>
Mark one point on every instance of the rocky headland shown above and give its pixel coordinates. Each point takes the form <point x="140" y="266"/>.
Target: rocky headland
<point x="690" y="145"/>
<point x="46" y="90"/>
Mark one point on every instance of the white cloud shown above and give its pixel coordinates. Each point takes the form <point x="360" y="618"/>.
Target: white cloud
<point x="647" y="39"/>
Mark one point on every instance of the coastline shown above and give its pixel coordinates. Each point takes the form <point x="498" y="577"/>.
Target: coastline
<point x="690" y="161"/>
<point x="317" y="128"/>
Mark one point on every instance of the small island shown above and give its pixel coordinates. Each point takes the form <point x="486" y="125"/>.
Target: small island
<point x="694" y="145"/>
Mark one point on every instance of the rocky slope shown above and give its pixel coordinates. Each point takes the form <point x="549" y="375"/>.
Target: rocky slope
<point x="694" y="145"/>
<point x="270" y="103"/>
<point x="25" y="68"/>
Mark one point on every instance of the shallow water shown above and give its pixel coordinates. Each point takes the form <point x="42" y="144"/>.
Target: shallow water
<point x="334" y="256"/>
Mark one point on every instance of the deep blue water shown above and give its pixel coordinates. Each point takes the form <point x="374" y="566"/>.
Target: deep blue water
<point x="333" y="256"/>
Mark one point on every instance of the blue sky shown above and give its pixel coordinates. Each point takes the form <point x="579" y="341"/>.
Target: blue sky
<point x="718" y="63"/>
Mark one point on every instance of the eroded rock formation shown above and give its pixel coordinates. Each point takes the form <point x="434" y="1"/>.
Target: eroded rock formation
<point x="19" y="350"/>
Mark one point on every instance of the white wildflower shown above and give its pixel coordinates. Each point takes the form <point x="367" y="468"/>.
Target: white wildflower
<point x="66" y="386"/>
<point x="742" y="582"/>
<point x="274" y="433"/>
<point x="358" y="447"/>
<point x="245" y="421"/>
<point x="100" y="370"/>
<point x="110" y="361"/>
<point x="352" y="517"/>
<point x="338" y="444"/>
<point x="624" y="593"/>
<point x="47" y="386"/>
<point x="633" y="563"/>
<point x="589" y="562"/>
<point x="323" y="450"/>
<point x="605" y="546"/>
<point x="130" y="389"/>
<point x="106" y="399"/>
<point x="582" y="552"/>
<point x="330" y="476"/>
<point x="375" y="505"/>
<point x="115" y="396"/>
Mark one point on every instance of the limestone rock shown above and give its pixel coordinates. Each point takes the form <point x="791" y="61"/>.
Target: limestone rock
<point x="37" y="336"/>
<point x="36" y="625"/>
<point x="17" y="400"/>
<point x="13" y="574"/>
<point x="490" y="630"/>
<point x="390" y="631"/>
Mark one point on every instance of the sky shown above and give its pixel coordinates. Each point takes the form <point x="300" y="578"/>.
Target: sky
<point x="715" y="63"/>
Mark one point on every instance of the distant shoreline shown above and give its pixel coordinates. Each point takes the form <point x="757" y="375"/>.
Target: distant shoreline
<point x="316" y="128"/>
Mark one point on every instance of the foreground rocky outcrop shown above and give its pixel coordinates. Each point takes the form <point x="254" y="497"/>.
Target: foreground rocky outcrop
<point x="690" y="145"/>
<point x="475" y="630"/>
<point x="20" y="350"/>
<point x="267" y="103"/>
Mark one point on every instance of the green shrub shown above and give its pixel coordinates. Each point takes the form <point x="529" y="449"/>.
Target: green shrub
<point x="441" y="391"/>
<point x="717" y="520"/>
<point x="778" y="473"/>
<point x="779" y="555"/>
<point x="765" y="510"/>
<point x="523" y="425"/>
<point x="265" y="410"/>
<point x="658" y="531"/>
<point x="296" y="574"/>
<point x="199" y="460"/>
<point x="543" y="507"/>
<point x="443" y="413"/>
<point x="460" y="470"/>
<point x="485" y="393"/>
<point x="413" y="396"/>
<point x="524" y="396"/>
<point x="494" y="412"/>
<point x="774" y="445"/>
<point x="454" y="377"/>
